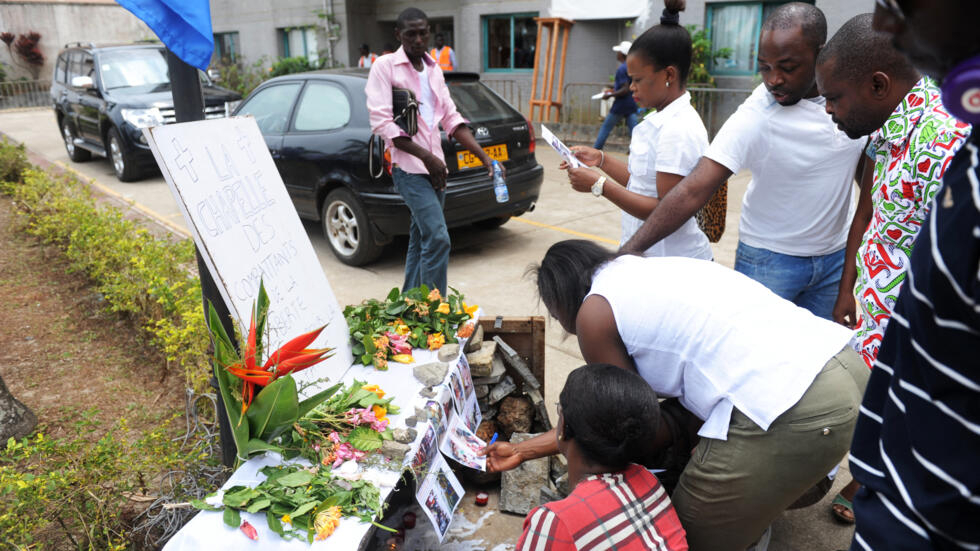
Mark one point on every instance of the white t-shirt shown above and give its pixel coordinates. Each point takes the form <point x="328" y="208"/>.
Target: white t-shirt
<point x="799" y="200"/>
<point x="715" y="338"/>
<point x="427" y="103"/>
<point x="673" y="141"/>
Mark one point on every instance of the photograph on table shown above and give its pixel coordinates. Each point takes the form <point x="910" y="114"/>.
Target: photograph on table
<point x="471" y="413"/>
<point x="456" y="386"/>
<point x="437" y="418"/>
<point x="439" y="494"/>
<point x="466" y="376"/>
<point x="427" y="450"/>
<point x="463" y="446"/>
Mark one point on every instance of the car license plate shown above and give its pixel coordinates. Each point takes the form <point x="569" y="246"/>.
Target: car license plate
<point x="465" y="159"/>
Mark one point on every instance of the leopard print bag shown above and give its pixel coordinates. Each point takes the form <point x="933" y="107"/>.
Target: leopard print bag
<point x="711" y="217"/>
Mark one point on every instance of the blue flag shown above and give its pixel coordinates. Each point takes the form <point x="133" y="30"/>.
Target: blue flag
<point x="184" y="26"/>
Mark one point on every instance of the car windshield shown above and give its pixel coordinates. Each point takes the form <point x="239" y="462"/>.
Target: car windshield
<point x="137" y="71"/>
<point x="478" y="104"/>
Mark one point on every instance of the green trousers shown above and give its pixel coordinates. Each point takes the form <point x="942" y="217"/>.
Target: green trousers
<point x="731" y="490"/>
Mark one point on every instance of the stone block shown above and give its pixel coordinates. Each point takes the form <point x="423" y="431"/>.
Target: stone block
<point x="405" y="436"/>
<point x="520" y="488"/>
<point x="411" y="421"/>
<point x="559" y="466"/>
<point x="431" y="374"/>
<point x="497" y="373"/>
<point x="448" y="352"/>
<point x="394" y="450"/>
<point x="481" y="361"/>
<point x="501" y="390"/>
<point x="561" y="485"/>
<point x="475" y="341"/>
<point x="481" y="390"/>
<point x="428" y="392"/>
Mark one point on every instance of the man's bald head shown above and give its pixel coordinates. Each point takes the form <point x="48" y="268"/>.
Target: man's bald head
<point x="807" y="17"/>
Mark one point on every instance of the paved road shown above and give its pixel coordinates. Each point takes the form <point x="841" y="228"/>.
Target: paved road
<point x="488" y="266"/>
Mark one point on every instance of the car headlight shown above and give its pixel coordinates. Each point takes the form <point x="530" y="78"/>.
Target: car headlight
<point x="230" y="106"/>
<point x="143" y="118"/>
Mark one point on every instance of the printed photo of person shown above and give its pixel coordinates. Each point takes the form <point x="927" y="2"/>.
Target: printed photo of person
<point x="437" y="416"/>
<point x="448" y="491"/>
<point x="436" y="511"/>
<point x="456" y="385"/>
<point x="427" y="447"/>
<point x="466" y="375"/>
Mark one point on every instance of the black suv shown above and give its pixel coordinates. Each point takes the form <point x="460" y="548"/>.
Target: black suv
<point x="104" y="97"/>
<point x="316" y="128"/>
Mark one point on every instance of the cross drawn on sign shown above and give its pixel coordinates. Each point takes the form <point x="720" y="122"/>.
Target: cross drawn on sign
<point x="184" y="159"/>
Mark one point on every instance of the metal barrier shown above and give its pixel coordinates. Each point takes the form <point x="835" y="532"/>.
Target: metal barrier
<point x="25" y="93"/>
<point x="713" y="104"/>
<point x="511" y="90"/>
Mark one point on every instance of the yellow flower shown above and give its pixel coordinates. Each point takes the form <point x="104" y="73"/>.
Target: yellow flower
<point x="381" y="343"/>
<point x="375" y="389"/>
<point x="443" y="308"/>
<point x="402" y="329"/>
<point x="434" y="295"/>
<point x="379" y="412"/>
<point x="326" y="522"/>
<point x="403" y="358"/>
<point x="435" y="341"/>
<point x="286" y="519"/>
<point x="470" y="309"/>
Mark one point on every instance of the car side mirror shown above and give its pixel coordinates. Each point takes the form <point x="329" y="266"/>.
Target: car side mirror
<point x="82" y="82"/>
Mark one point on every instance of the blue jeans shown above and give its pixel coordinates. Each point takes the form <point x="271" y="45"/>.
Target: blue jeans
<point x="810" y="282"/>
<point x="610" y="122"/>
<point x="427" y="260"/>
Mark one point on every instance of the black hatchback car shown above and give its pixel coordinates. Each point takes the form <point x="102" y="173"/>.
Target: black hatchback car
<point x="316" y="127"/>
<point x="104" y="96"/>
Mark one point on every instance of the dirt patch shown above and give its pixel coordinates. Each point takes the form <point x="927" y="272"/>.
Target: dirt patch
<point x="61" y="354"/>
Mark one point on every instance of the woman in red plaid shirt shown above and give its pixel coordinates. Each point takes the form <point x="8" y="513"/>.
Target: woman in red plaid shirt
<point x="606" y="417"/>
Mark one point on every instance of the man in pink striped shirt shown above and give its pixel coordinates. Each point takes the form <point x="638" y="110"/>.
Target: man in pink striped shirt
<point x="418" y="166"/>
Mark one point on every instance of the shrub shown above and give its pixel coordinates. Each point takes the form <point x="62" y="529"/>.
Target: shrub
<point x="148" y="278"/>
<point x="290" y="65"/>
<point x="240" y="77"/>
<point x="702" y="56"/>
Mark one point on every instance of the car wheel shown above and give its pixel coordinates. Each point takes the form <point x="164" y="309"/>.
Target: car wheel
<point x="122" y="162"/>
<point x="347" y="228"/>
<point x="492" y="223"/>
<point x="75" y="153"/>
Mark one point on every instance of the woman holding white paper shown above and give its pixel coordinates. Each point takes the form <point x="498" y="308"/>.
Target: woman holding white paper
<point x="664" y="147"/>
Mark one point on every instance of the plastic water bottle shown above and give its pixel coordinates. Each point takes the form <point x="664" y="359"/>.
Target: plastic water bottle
<point x="499" y="185"/>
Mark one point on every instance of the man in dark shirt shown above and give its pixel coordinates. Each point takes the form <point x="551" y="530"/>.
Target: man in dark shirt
<point x="917" y="442"/>
<point x="624" y="107"/>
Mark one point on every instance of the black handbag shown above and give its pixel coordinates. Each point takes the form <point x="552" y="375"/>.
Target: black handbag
<point x="406" y="110"/>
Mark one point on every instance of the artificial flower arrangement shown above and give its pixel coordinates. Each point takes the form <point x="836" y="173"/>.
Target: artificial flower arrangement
<point x="261" y="398"/>
<point x="383" y="330"/>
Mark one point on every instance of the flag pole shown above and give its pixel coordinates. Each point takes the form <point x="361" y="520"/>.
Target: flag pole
<point x="185" y="85"/>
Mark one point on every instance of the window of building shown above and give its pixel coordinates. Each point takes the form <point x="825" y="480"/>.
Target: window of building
<point x="737" y="25"/>
<point x="509" y="41"/>
<point x="226" y="47"/>
<point x="299" y="41"/>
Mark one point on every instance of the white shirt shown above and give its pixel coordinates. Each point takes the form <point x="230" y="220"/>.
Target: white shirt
<point x="799" y="200"/>
<point x="672" y="141"/>
<point x="715" y="338"/>
<point x="427" y="102"/>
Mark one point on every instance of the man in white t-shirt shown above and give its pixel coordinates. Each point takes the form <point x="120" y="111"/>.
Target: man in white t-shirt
<point x="796" y="210"/>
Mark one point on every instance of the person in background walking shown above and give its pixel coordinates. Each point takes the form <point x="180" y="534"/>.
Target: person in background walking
<point x="443" y="54"/>
<point x="418" y="167"/>
<point x="624" y="107"/>
<point x="664" y="147"/>
<point x="367" y="58"/>
<point x="917" y="439"/>
<point x="871" y="88"/>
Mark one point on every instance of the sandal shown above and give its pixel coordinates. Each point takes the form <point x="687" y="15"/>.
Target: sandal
<point x="846" y="514"/>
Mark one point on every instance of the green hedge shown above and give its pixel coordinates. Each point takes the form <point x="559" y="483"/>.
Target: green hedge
<point x="151" y="279"/>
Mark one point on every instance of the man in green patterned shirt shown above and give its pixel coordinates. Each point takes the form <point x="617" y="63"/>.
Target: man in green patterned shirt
<point x="871" y="88"/>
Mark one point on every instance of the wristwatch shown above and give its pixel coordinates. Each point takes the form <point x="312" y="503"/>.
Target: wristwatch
<point x="597" y="186"/>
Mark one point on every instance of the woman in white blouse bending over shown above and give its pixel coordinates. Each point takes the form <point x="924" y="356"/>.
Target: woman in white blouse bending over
<point x="664" y="147"/>
<point x="778" y="389"/>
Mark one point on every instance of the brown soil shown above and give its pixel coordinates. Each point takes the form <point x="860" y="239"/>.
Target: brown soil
<point x="61" y="353"/>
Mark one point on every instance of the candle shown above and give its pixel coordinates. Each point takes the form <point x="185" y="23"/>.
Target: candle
<point x="482" y="498"/>
<point x="408" y="520"/>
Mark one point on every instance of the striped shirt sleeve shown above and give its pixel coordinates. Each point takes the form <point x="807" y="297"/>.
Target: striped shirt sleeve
<point x="544" y="530"/>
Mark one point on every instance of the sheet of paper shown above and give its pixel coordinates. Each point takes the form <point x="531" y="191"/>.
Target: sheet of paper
<point x="439" y="494"/>
<point x="599" y="95"/>
<point x="463" y="446"/>
<point x="560" y="147"/>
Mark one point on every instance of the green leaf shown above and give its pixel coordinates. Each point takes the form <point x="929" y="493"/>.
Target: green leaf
<point x="308" y="404"/>
<point x="366" y="359"/>
<point x="239" y="496"/>
<point x="298" y="478"/>
<point x="201" y="505"/>
<point x="258" y="505"/>
<point x="369" y="346"/>
<point x="275" y="408"/>
<point x="254" y="446"/>
<point x="395" y="309"/>
<point x="274" y="523"/>
<point x="239" y="430"/>
<point x="304" y="508"/>
<point x="232" y="517"/>
<point x="393" y="294"/>
<point x="364" y="439"/>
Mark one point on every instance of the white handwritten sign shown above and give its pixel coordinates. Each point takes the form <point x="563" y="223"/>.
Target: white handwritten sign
<point x="247" y="230"/>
